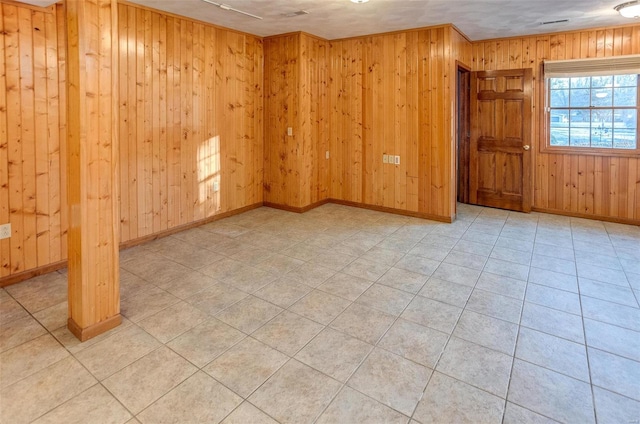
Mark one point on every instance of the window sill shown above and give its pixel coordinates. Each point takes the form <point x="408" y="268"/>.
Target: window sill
<point x="590" y="151"/>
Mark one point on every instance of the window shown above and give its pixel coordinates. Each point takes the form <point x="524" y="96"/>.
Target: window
<point x="592" y="105"/>
<point x="594" y="111"/>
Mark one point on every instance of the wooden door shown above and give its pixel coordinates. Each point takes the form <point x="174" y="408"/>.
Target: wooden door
<point x="500" y="148"/>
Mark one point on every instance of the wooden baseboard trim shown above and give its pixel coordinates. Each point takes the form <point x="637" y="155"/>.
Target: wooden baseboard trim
<point x="130" y="243"/>
<point x="25" y="275"/>
<point x="84" y="334"/>
<point x="294" y="208"/>
<point x="431" y="217"/>
<point x="16" y="278"/>
<point x="587" y="216"/>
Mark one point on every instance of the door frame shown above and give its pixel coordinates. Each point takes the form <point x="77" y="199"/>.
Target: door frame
<point x="462" y="140"/>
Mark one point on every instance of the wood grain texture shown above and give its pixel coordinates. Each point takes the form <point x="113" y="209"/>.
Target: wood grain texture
<point x="190" y="102"/>
<point x="585" y="185"/>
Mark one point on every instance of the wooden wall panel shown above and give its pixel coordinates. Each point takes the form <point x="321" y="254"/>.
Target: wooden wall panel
<point x="191" y="113"/>
<point x="191" y="108"/>
<point x="395" y="94"/>
<point x="296" y="92"/>
<point x="31" y="126"/>
<point x="587" y="185"/>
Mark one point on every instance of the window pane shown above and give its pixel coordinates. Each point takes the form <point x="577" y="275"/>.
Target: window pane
<point x="602" y="81"/>
<point x="625" y="96"/>
<point x="625" y="80"/>
<point x="625" y="129"/>
<point x="579" y="133"/>
<point x="601" y="128"/>
<point x="559" y="98"/>
<point x="557" y="83"/>
<point x="560" y="128"/>
<point x="602" y="97"/>
<point x="580" y="97"/>
<point x="581" y="82"/>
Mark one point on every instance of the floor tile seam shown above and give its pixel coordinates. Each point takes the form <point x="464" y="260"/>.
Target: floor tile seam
<point x="613" y="301"/>
<point x="515" y="346"/>
<point x="599" y="349"/>
<point x="552" y="307"/>
<point x="45" y="367"/>
<point x="444" y="347"/>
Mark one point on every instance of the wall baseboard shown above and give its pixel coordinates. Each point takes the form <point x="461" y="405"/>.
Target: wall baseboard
<point x="22" y="276"/>
<point x="587" y="216"/>
<point x="359" y="205"/>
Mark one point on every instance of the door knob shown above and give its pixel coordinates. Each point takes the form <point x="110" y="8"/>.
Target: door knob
<point x="526" y="147"/>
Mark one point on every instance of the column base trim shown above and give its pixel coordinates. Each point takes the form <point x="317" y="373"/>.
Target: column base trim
<point x="84" y="334"/>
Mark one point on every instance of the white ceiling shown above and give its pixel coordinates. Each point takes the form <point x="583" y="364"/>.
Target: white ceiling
<point x="332" y="19"/>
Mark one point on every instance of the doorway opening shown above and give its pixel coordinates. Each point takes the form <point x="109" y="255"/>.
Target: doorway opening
<point x="463" y="132"/>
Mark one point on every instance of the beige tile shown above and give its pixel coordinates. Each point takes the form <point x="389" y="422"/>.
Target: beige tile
<point x="248" y="414"/>
<point x="487" y="331"/>
<point x="141" y="305"/>
<point x="249" y="279"/>
<point x="366" y="269"/>
<point x="431" y="313"/>
<point x="54" y="316"/>
<point x="10" y="309"/>
<point x="551" y="394"/>
<point x="335" y="354"/>
<point x="615" y="373"/>
<point x="216" y="298"/>
<point x="403" y="280"/>
<point x="468" y="260"/>
<point x="73" y="345"/>
<point x="502" y="285"/>
<point x="149" y="378"/>
<point x="247" y="365"/>
<point x="40" y="292"/>
<point x="451" y="401"/>
<point x="249" y="314"/>
<point x="363" y="323"/>
<point x="489" y="370"/>
<point x="515" y="414"/>
<point x="385" y="299"/>
<point x="116" y="352"/>
<point x="223" y="268"/>
<point x="154" y="268"/>
<point x="333" y="260"/>
<point x="554" y="353"/>
<point x="203" y="343"/>
<point x="351" y="406"/>
<point x="430" y="251"/>
<point x="613" y="408"/>
<point x="283" y="292"/>
<point x="320" y="306"/>
<point x="131" y="284"/>
<point x="495" y="305"/>
<point x="345" y="286"/>
<point x="392" y="380"/>
<point x="310" y="274"/>
<point x="199" y="399"/>
<point x="29" y="358"/>
<point x="417" y="264"/>
<point x="295" y="394"/>
<point x="188" y="284"/>
<point x="95" y="405"/>
<point x="384" y="256"/>
<point x="446" y="292"/>
<point x="173" y="321"/>
<point x="457" y="274"/>
<point x="38" y="393"/>
<point x="288" y="332"/>
<point x="18" y="331"/>
<point x="279" y="264"/>
<point x="415" y="342"/>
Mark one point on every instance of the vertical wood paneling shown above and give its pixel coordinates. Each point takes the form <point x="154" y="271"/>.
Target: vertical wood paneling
<point x="178" y="98"/>
<point x="573" y="183"/>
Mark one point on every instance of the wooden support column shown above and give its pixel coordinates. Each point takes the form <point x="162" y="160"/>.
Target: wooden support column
<point x="92" y="178"/>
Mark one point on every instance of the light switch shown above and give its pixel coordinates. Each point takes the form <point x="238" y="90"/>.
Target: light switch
<point x="385" y="158"/>
<point x="290" y="131"/>
<point x="397" y="160"/>
<point x="326" y="155"/>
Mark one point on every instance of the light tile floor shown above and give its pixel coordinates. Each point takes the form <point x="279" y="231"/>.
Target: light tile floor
<point x="344" y="315"/>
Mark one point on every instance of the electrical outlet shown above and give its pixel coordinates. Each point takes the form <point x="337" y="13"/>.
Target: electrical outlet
<point x="385" y="158"/>
<point x="397" y="160"/>
<point x="326" y="155"/>
<point x="216" y="186"/>
<point x="5" y="231"/>
<point x="290" y="131"/>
